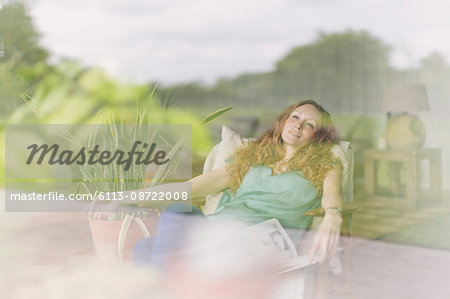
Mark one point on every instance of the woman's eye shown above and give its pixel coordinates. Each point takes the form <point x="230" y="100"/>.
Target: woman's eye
<point x="296" y="117"/>
<point x="310" y="125"/>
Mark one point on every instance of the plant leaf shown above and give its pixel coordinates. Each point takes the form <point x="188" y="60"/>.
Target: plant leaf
<point x="123" y="234"/>
<point x="212" y="116"/>
<point x="159" y="175"/>
<point x="143" y="227"/>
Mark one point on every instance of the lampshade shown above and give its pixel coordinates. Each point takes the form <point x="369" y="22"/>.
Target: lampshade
<point x="405" y="98"/>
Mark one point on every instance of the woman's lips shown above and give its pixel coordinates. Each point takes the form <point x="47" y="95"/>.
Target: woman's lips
<point x="294" y="133"/>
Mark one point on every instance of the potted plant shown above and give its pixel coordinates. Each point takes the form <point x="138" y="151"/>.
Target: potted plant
<point x="117" y="233"/>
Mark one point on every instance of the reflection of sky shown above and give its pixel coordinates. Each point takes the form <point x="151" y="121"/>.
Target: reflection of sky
<point x="179" y="40"/>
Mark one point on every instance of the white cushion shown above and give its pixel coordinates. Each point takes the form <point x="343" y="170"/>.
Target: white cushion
<point x="216" y="158"/>
<point x="231" y="140"/>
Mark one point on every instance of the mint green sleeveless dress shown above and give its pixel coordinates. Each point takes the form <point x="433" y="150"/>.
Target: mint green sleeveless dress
<point x="263" y="196"/>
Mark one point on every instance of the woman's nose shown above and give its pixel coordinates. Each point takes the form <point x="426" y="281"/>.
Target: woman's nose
<point x="298" y="125"/>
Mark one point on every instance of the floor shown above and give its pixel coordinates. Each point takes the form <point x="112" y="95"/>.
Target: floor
<point x="387" y="270"/>
<point x="376" y="219"/>
<point x="396" y="253"/>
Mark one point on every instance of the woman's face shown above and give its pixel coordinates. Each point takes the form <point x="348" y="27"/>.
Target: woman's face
<point x="301" y="126"/>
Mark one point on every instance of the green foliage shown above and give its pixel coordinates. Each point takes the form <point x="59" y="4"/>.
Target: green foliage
<point x="70" y="95"/>
<point x="18" y="35"/>
<point x="108" y="90"/>
<point x="201" y="136"/>
<point x="20" y="55"/>
<point x="10" y="87"/>
<point x="212" y="116"/>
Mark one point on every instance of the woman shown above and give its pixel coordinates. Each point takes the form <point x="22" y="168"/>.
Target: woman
<point x="286" y="172"/>
<point x="289" y="170"/>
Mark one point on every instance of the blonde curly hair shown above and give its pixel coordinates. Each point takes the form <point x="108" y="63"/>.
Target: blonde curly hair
<point x="314" y="159"/>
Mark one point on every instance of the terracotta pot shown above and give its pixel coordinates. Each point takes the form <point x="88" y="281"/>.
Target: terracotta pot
<point x="105" y="236"/>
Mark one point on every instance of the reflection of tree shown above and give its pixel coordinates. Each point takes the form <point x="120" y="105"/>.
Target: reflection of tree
<point x="435" y="73"/>
<point x="19" y="53"/>
<point x="18" y="35"/>
<point x="346" y="71"/>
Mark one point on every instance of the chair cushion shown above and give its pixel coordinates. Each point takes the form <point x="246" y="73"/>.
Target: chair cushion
<point x="231" y="140"/>
<point x="216" y="158"/>
<point x="344" y="153"/>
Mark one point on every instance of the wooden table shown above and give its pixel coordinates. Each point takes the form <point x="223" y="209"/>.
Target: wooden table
<point x="411" y="160"/>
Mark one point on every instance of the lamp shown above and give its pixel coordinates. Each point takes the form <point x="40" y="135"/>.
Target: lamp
<point x="405" y="131"/>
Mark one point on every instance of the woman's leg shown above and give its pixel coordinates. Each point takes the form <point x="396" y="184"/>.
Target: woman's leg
<point x="142" y="251"/>
<point x="172" y="227"/>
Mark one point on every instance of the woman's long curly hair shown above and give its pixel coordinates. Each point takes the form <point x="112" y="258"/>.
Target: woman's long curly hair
<point x="314" y="159"/>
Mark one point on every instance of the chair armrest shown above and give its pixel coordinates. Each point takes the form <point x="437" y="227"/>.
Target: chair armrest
<point x="347" y="213"/>
<point x="320" y="212"/>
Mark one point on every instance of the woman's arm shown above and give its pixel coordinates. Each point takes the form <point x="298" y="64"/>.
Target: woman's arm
<point x="210" y="182"/>
<point x="327" y="236"/>
<point x="332" y="197"/>
<point x="197" y="187"/>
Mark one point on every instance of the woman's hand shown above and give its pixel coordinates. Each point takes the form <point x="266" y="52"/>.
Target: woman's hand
<point x="327" y="236"/>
